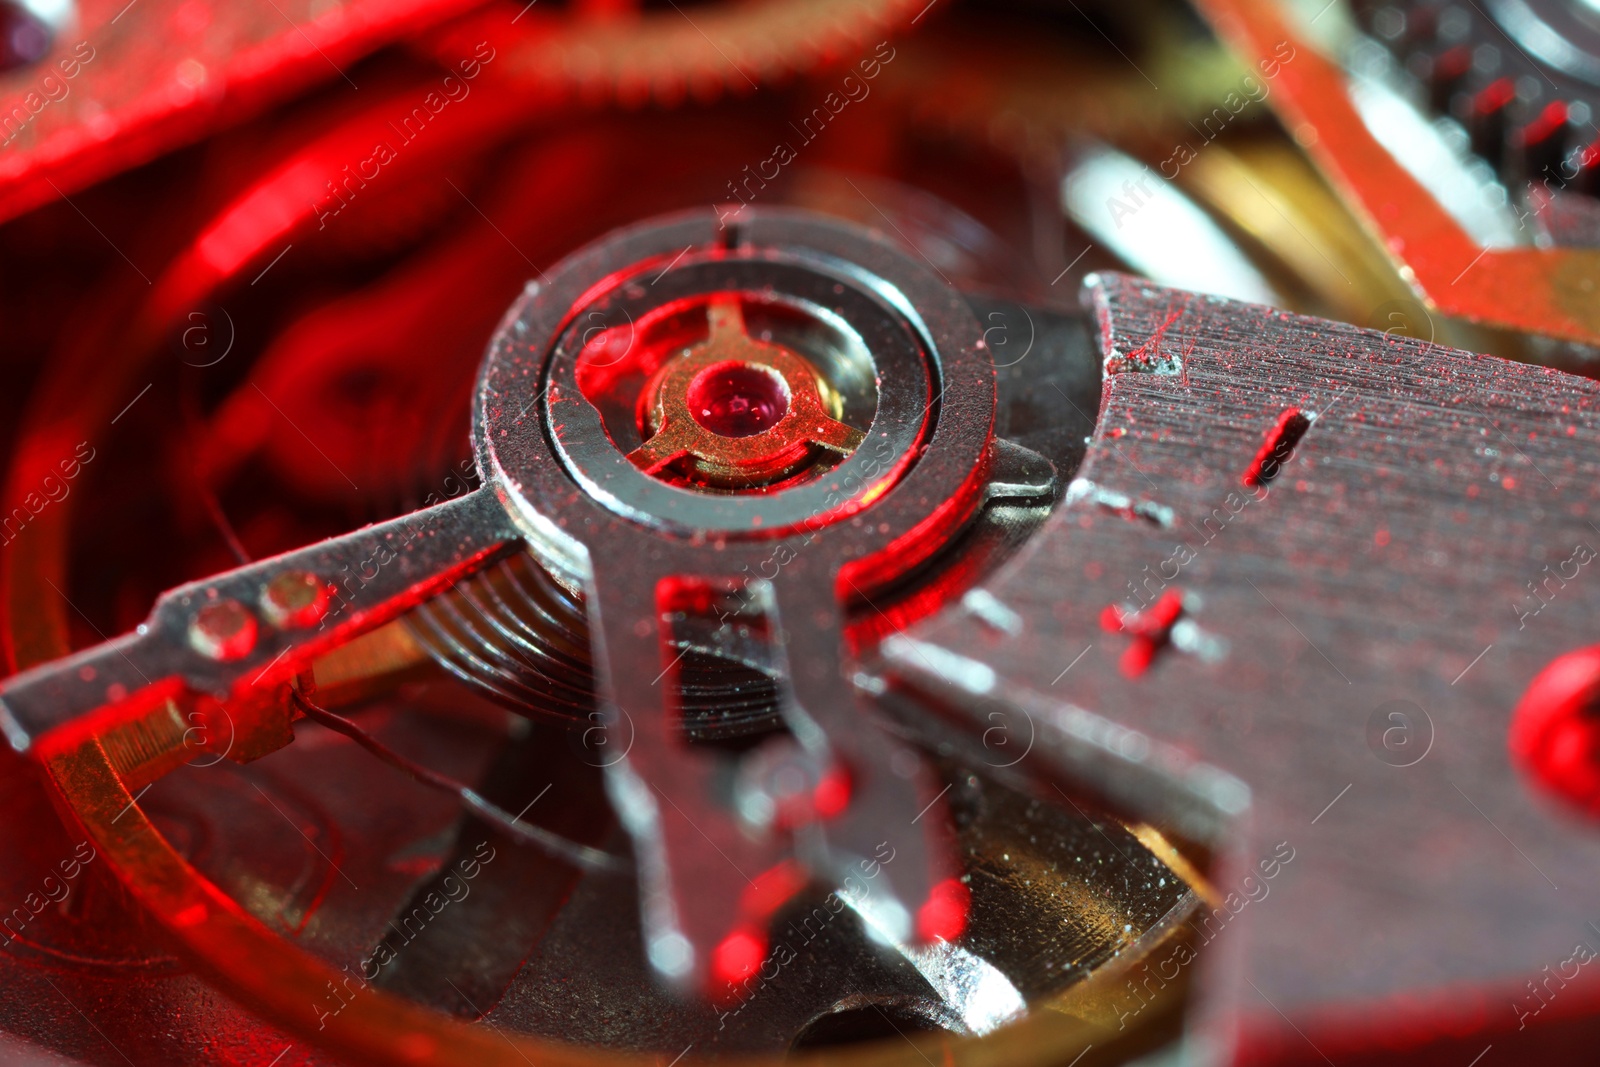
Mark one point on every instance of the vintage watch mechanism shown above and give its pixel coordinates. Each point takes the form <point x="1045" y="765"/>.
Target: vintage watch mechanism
<point x="874" y="532"/>
<point x="1521" y="79"/>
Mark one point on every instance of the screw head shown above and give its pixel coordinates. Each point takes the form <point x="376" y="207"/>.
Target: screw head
<point x="294" y="599"/>
<point x="223" y="630"/>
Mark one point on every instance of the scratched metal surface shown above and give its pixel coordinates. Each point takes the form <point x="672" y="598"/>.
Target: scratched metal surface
<point x="1383" y="563"/>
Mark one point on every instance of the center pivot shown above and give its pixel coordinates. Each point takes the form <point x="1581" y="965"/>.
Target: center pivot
<point x="736" y="412"/>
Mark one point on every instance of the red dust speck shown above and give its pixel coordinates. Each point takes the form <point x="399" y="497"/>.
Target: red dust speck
<point x="1381" y="538"/>
<point x="832" y="794"/>
<point x="738" y="956"/>
<point x="1151" y="629"/>
<point x="1508" y="482"/>
<point x="772" y="889"/>
<point x="944" y="916"/>
<point x="1553" y="737"/>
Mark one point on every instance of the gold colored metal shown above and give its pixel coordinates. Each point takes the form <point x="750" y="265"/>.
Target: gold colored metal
<point x="148" y="747"/>
<point x="371" y="664"/>
<point x="1269" y="192"/>
<point x="1540" y="291"/>
<point x="96" y="780"/>
<point x="754" y="460"/>
<point x="282" y="982"/>
<point x="273" y="977"/>
<point x="1180" y="864"/>
<point x="664" y="56"/>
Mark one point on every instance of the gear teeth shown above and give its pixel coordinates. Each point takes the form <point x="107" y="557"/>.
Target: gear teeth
<point x="1528" y="123"/>
<point x="1447" y="75"/>
<point x="1544" y="143"/>
<point x="1488" y="121"/>
<point x="1587" y="161"/>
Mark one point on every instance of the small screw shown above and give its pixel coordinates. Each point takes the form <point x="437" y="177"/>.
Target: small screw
<point x="294" y="599"/>
<point x="223" y="630"/>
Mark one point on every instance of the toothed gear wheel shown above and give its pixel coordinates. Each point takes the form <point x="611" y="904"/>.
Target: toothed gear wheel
<point x="1521" y="76"/>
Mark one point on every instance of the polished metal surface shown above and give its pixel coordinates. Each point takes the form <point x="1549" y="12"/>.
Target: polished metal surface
<point x="553" y="475"/>
<point x="666" y="792"/>
<point x="1428" y="870"/>
<point x="373" y="575"/>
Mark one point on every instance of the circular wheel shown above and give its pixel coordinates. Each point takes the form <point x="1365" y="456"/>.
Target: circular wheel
<point x="855" y="443"/>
